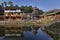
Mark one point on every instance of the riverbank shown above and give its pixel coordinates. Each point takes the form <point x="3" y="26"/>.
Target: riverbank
<point x="53" y="30"/>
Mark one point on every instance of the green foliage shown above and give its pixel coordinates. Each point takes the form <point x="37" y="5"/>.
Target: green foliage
<point x="40" y="11"/>
<point x="5" y="4"/>
<point x="27" y="9"/>
<point x="0" y="7"/>
<point x="58" y="37"/>
<point x="16" y="6"/>
<point x="10" y="4"/>
<point x="2" y="4"/>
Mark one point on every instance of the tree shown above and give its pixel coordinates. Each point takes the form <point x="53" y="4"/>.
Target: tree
<point x="10" y="4"/>
<point x="0" y="7"/>
<point x="2" y="4"/>
<point x="30" y="9"/>
<point x="27" y="9"/>
<point x="16" y="6"/>
<point x="40" y="11"/>
<point x="5" y="4"/>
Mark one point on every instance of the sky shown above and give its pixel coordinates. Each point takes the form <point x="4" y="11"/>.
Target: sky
<point x="45" y="5"/>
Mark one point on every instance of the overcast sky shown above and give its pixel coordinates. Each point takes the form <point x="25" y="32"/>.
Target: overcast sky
<point x="41" y="4"/>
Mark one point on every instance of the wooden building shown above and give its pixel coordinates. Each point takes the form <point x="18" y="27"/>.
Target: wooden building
<point x="13" y="13"/>
<point x="55" y="16"/>
<point x="1" y="13"/>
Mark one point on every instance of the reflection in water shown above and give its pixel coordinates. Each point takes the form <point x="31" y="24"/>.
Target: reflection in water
<point x="39" y="36"/>
<point x="42" y="36"/>
<point x="28" y="36"/>
<point x="1" y="37"/>
<point x="29" y="33"/>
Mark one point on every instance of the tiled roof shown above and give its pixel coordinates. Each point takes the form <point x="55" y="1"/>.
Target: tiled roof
<point x="13" y="8"/>
<point x="52" y="12"/>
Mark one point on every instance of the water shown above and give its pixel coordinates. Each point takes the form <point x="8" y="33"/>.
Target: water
<point x="39" y="36"/>
<point x="29" y="35"/>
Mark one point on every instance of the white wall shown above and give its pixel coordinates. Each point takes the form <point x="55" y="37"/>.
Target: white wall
<point x="12" y="10"/>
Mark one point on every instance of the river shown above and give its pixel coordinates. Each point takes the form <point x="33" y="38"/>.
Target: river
<point x="29" y="35"/>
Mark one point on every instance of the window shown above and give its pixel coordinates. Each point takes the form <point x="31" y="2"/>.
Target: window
<point x="7" y="17"/>
<point x="19" y="13"/>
